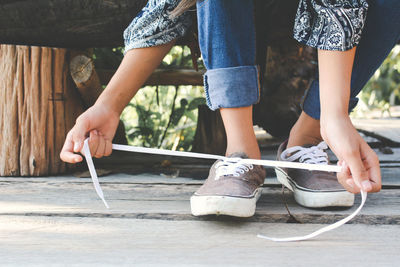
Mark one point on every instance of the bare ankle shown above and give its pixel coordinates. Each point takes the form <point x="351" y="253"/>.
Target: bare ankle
<point x="305" y="131"/>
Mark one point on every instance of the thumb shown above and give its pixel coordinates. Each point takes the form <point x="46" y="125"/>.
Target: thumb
<point x="358" y="171"/>
<point x="81" y="129"/>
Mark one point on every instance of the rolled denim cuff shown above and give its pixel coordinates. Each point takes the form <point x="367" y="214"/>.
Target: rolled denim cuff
<point x="232" y="87"/>
<point x="311" y="102"/>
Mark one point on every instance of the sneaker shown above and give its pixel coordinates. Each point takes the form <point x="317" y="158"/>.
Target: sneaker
<point x="232" y="188"/>
<point x="312" y="189"/>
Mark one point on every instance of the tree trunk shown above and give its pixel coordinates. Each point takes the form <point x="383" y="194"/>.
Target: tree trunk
<point x="66" y="23"/>
<point x="39" y="105"/>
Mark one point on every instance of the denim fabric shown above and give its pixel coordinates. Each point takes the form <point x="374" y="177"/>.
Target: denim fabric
<point x="381" y="33"/>
<point x="227" y="44"/>
<point x="153" y="25"/>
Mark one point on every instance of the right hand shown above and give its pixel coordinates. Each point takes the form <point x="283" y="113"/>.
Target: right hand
<point x="99" y="123"/>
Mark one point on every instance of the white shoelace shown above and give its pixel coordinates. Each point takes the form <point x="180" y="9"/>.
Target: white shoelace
<point x="312" y="155"/>
<point x="232" y="167"/>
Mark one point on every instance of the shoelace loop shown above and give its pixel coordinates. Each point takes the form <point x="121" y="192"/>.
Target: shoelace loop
<point x="231" y="167"/>
<point x="313" y="155"/>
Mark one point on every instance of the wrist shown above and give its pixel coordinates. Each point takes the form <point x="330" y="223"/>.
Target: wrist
<point x="111" y="103"/>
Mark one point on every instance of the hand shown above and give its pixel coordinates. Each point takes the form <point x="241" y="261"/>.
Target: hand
<point x="360" y="164"/>
<point x="99" y="123"/>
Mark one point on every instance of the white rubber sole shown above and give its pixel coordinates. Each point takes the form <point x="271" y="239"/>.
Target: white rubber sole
<point x="224" y="205"/>
<point x="313" y="199"/>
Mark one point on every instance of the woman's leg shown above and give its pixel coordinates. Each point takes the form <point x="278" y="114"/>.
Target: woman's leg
<point x="381" y="33"/>
<point x="227" y="42"/>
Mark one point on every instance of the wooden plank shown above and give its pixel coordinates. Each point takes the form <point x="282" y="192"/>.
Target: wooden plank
<point x="71" y="198"/>
<point x="80" y="241"/>
<point x="162" y="77"/>
<point x="388" y="130"/>
<point x="9" y="112"/>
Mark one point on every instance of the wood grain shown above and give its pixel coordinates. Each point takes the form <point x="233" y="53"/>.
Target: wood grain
<point x="33" y="84"/>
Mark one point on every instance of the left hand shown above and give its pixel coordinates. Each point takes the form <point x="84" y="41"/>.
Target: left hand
<point x="360" y="164"/>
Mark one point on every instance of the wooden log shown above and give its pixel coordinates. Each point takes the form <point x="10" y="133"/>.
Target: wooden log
<point x="9" y="151"/>
<point x="85" y="78"/>
<point x="88" y="83"/>
<point x="33" y="86"/>
<point x="66" y="23"/>
<point x="163" y="77"/>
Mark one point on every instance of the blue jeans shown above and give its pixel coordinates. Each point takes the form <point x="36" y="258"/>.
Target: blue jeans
<point x="227" y="42"/>
<point x="228" y="46"/>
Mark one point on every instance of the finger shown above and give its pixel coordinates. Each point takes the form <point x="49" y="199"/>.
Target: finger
<point x="108" y="149"/>
<point x="67" y="154"/>
<point x="93" y="142"/>
<point x="358" y="171"/>
<point x="344" y="176"/>
<point x="81" y="128"/>
<point x="371" y="163"/>
<point x="101" y="148"/>
<point x="350" y="182"/>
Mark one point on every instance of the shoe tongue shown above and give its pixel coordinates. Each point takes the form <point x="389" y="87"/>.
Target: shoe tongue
<point x="238" y="155"/>
<point x="308" y="145"/>
<point x="303" y="146"/>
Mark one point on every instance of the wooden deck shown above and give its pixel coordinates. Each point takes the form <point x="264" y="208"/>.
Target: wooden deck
<point x="59" y="221"/>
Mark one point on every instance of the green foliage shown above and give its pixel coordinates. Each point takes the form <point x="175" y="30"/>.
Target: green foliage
<point x="383" y="89"/>
<point x="159" y="116"/>
<point x="170" y="123"/>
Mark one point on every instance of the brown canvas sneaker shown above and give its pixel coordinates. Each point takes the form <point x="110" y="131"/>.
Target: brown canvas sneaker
<point x="312" y="189"/>
<point x="232" y="188"/>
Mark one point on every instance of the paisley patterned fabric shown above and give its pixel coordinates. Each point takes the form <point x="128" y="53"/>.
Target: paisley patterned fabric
<point x="323" y="24"/>
<point x="330" y="24"/>
<point x="153" y="25"/>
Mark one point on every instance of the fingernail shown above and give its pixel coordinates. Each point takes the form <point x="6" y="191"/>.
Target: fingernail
<point x="95" y="132"/>
<point x="366" y="185"/>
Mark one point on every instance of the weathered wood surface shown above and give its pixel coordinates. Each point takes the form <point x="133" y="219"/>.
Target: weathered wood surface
<point x="38" y="106"/>
<point x="386" y="130"/>
<point x="66" y="23"/>
<point x="131" y="197"/>
<point x="82" y="241"/>
<point x="62" y="221"/>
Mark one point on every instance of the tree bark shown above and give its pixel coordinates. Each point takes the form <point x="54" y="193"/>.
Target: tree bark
<point x="39" y="104"/>
<point x="66" y="23"/>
